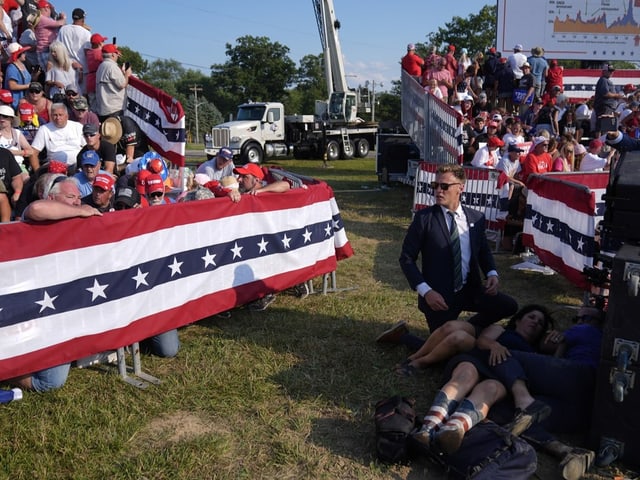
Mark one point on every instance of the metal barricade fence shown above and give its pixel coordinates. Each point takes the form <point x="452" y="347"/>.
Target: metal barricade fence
<point x="434" y="126"/>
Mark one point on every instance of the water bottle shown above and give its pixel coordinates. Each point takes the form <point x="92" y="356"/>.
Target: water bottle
<point x="7" y="396"/>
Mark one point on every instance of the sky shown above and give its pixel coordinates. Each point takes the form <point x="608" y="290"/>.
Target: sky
<point x="373" y="37"/>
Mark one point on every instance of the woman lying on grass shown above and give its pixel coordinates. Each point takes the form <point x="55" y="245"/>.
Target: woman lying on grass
<point x="525" y="331"/>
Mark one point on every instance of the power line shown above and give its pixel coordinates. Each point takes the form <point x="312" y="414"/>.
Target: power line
<point x="181" y="63"/>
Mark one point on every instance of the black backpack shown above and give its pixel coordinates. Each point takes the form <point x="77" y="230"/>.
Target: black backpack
<point x="395" y="418"/>
<point x="488" y="452"/>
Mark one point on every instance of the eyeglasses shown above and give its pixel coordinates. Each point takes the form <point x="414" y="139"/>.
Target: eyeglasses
<point x="443" y="186"/>
<point x="156" y="194"/>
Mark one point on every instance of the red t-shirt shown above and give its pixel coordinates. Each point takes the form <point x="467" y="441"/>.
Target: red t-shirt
<point x="535" y="164"/>
<point x="412" y="64"/>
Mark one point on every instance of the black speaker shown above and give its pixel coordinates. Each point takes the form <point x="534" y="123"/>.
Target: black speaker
<point x="622" y="198"/>
<point x="616" y="413"/>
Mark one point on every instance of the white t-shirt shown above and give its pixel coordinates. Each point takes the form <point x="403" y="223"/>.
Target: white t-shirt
<point x="62" y="144"/>
<point x="592" y="163"/>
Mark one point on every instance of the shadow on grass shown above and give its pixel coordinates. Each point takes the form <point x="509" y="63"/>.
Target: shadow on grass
<point x="338" y="364"/>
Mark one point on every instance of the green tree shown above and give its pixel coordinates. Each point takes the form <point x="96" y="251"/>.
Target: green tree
<point x="165" y="74"/>
<point x="256" y="69"/>
<point x="477" y="32"/>
<point x="310" y="85"/>
<point x="208" y="116"/>
<point x="138" y="65"/>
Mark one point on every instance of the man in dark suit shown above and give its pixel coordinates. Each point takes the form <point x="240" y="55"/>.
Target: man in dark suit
<point x="453" y="257"/>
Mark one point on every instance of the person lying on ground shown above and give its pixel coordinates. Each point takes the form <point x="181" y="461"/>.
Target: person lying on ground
<point x="525" y="331"/>
<point x="474" y="387"/>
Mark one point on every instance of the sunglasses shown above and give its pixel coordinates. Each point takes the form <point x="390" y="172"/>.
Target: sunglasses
<point x="5" y="117"/>
<point x="72" y="94"/>
<point x="89" y="134"/>
<point x="443" y="186"/>
<point x="121" y="206"/>
<point x="35" y="90"/>
<point x="59" y="179"/>
<point x="156" y="194"/>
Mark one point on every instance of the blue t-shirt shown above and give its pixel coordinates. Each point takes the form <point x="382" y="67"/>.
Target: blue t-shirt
<point x="23" y="77"/>
<point x="513" y="341"/>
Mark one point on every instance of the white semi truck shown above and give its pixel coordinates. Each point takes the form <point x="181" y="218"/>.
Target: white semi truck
<point x="262" y="130"/>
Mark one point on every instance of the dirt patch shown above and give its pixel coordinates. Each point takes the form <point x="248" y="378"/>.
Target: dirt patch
<point x="177" y="427"/>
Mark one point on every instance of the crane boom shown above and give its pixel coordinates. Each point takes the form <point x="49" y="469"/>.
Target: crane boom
<point x="328" y="27"/>
<point x="343" y="104"/>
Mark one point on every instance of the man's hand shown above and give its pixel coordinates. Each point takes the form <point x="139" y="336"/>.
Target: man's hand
<point x="235" y="196"/>
<point x="88" y="211"/>
<point x="491" y="287"/>
<point x="435" y="301"/>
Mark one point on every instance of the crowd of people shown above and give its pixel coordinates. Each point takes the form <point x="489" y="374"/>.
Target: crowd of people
<point x="67" y="150"/>
<point x="522" y="97"/>
<point x="517" y="118"/>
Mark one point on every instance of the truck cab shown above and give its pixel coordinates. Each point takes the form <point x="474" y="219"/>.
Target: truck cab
<point x="259" y="131"/>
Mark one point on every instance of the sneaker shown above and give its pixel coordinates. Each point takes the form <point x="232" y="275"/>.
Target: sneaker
<point x="301" y="290"/>
<point x="575" y="463"/>
<point x="393" y="334"/>
<point x="262" y="303"/>
<point x="449" y="439"/>
<point x="524" y="419"/>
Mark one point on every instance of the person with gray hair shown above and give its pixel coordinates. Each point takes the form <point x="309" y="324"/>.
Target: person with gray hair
<point x="61" y="137"/>
<point x="111" y="84"/>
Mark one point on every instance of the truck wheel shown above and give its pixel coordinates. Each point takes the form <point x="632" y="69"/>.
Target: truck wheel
<point x="252" y="153"/>
<point x="347" y="153"/>
<point x="333" y="150"/>
<point x="362" y="148"/>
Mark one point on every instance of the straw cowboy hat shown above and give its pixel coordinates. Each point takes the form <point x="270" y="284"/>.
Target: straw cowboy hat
<point x="111" y="130"/>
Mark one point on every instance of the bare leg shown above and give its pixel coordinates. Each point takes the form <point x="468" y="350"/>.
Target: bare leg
<point x="521" y="396"/>
<point x="439" y="334"/>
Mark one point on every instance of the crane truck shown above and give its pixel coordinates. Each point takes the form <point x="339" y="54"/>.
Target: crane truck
<point x="263" y="130"/>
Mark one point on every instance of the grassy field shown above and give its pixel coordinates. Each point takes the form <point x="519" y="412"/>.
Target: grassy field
<point x="287" y="393"/>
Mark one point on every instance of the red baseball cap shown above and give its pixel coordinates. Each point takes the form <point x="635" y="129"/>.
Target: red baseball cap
<point x="97" y="38"/>
<point x="26" y="111"/>
<point x="250" y="169"/>
<point x="595" y="143"/>
<point x="5" y="96"/>
<point x="154" y="183"/>
<point x="495" y="142"/>
<point x="104" y="181"/>
<point x="110" y="48"/>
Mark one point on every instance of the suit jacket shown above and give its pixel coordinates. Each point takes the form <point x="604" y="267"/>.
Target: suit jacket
<point x="429" y="237"/>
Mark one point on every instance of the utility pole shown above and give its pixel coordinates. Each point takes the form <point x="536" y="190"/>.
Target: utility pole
<point x="195" y="89"/>
<point x="373" y="99"/>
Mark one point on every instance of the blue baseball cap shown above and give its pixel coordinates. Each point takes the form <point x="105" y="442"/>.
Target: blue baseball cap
<point x="90" y="157"/>
<point x="225" y="152"/>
